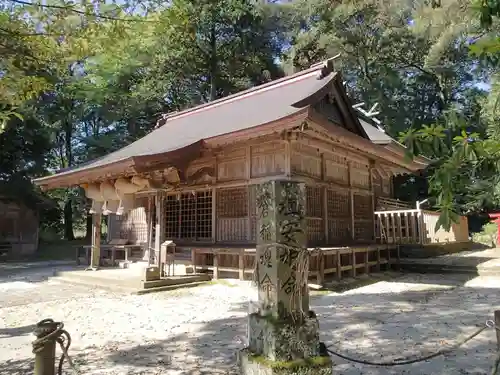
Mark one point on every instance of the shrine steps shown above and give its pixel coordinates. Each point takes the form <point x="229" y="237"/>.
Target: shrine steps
<point x="125" y="281"/>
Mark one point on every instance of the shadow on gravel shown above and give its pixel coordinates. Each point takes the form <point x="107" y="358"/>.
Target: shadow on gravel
<point x="17" y="367"/>
<point x="16" y="331"/>
<point x="374" y="326"/>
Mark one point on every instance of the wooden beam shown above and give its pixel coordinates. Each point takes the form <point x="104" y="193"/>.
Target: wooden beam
<point x="325" y="214"/>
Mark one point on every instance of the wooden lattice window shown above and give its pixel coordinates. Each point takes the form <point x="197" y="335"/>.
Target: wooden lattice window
<point x="189" y="215"/>
<point x="314" y="213"/>
<point x="252" y="209"/>
<point x="363" y="218"/>
<point x="204" y="215"/>
<point x="337" y="203"/>
<point x="363" y="206"/>
<point x="232" y="203"/>
<point x="171" y="216"/>
<point x="339" y="216"/>
<point x="232" y="214"/>
<point x="314" y="201"/>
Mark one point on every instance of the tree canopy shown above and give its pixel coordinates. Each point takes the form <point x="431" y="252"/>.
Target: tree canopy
<point x="78" y="79"/>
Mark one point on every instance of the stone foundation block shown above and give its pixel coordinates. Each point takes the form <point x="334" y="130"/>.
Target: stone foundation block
<point x="283" y="340"/>
<point x="251" y="364"/>
<point x="151" y="273"/>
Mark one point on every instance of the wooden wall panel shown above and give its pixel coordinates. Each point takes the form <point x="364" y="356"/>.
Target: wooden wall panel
<point x="232" y="230"/>
<point x="360" y="175"/>
<point x="232" y="170"/>
<point x="268" y="159"/>
<point x="305" y="160"/>
<point x="336" y="168"/>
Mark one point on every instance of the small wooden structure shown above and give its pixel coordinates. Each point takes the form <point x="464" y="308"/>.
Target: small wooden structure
<point x="193" y="179"/>
<point x="18" y="229"/>
<point x="404" y="225"/>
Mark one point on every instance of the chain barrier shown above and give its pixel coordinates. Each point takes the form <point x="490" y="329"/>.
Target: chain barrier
<point x="49" y="332"/>
<point x="407" y="361"/>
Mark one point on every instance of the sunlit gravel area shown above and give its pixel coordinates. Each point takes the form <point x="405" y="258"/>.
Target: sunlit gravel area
<point x="199" y="330"/>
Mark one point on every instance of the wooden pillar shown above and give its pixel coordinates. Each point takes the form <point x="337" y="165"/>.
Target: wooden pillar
<point x="338" y="265"/>
<point x="325" y="214"/>
<point x="95" y="255"/>
<point x="388" y="234"/>
<point x="159" y="226"/>
<point x="400" y="227"/>
<point x="407" y="229"/>
<point x="109" y="225"/>
<point x="351" y="199"/>
<point x="241" y="264"/>
<point x="214" y="215"/>
<point x="149" y="220"/>
<point x="414" y="227"/>
<point x="216" y="265"/>
<point x="373" y="197"/>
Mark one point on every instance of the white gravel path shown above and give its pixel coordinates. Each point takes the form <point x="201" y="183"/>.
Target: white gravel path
<point x="198" y="331"/>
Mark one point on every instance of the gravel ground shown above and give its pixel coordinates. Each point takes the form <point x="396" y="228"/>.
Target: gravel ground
<point x="198" y="331"/>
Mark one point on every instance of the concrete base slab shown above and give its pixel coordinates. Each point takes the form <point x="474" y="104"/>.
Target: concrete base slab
<point x="251" y="364"/>
<point x="126" y="280"/>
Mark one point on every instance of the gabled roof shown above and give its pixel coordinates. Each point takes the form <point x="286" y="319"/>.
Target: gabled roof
<point x="180" y="137"/>
<point x="375" y="135"/>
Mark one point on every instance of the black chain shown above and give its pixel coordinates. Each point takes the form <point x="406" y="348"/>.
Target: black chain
<point x="489" y="324"/>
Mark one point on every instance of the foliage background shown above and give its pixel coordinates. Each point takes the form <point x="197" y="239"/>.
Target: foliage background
<point x="80" y="79"/>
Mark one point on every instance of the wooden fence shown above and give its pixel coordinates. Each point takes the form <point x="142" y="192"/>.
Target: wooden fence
<point x="416" y="226"/>
<point x="324" y="262"/>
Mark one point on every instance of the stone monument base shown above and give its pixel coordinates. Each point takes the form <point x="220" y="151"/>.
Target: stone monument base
<point x="251" y="364"/>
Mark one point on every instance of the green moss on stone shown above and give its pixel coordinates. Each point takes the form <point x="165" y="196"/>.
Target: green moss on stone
<point x="280" y="322"/>
<point x="314" y="362"/>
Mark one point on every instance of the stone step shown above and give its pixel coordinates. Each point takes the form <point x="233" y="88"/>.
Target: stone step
<point x="176" y="281"/>
<point x="96" y="284"/>
<point x="124" y="281"/>
<point x="165" y="288"/>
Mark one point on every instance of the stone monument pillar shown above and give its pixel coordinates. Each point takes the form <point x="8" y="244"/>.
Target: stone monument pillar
<point x="283" y="333"/>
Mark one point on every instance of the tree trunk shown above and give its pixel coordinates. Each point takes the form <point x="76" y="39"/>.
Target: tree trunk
<point x="68" y="221"/>
<point x="213" y="63"/>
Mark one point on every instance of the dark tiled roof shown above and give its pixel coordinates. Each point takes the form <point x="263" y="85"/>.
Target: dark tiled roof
<point x="245" y="110"/>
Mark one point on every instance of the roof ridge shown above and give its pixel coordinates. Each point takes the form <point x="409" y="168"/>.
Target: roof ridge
<point x="324" y="67"/>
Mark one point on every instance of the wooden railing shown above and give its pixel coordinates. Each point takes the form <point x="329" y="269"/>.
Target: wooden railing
<point x="416" y="226"/>
<point x="340" y="262"/>
<point x="386" y="204"/>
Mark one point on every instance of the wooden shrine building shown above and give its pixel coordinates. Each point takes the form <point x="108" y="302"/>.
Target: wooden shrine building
<point x="192" y="180"/>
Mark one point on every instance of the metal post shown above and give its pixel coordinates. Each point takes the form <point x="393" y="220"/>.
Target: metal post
<point x="44" y="347"/>
<point x="497" y="328"/>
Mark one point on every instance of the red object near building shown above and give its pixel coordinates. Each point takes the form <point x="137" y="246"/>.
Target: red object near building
<point x="496" y="217"/>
